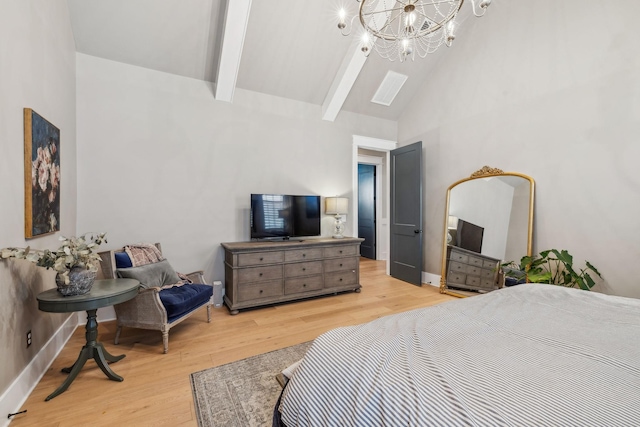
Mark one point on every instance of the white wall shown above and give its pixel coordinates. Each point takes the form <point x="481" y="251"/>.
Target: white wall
<point x="549" y="89"/>
<point x="37" y="70"/>
<point x="161" y="160"/>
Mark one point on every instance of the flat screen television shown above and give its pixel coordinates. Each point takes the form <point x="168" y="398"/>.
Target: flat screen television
<point x="469" y="236"/>
<point x="283" y="216"/>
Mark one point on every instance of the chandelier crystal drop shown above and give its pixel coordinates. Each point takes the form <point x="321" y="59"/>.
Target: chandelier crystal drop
<point x="401" y="29"/>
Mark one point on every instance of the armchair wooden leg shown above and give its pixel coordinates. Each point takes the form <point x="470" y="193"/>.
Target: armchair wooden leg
<point x="208" y="313"/>
<point x="116" y="340"/>
<point x="165" y="341"/>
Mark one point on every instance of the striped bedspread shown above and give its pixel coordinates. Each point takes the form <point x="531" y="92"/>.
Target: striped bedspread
<point x="529" y="355"/>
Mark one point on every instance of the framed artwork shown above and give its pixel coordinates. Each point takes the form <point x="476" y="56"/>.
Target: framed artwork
<point x="41" y="175"/>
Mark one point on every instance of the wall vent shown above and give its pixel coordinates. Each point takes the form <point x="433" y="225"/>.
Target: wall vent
<point x="389" y="88"/>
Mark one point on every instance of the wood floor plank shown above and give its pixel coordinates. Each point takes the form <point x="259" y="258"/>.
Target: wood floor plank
<point x="156" y="390"/>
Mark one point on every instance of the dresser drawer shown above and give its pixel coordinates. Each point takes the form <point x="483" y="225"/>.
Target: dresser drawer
<point x="340" y="251"/>
<point x="487" y="263"/>
<point x="475" y="261"/>
<point x="272" y="288"/>
<point x="457" y="267"/>
<point x="302" y="269"/>
<point x="487" y="274"/>
<point x="303" y="254"/>
<point x="456" y="278"/>
<point x="303" y="284"/>
<point x="340" y="264"/>
<point x="259" y="274"/>
<point x="340" y="278"/>
<point x="260" y="258"/>
<point x="473" y="281"/>
<point x="457" y="256"/>
<point x="488" y="283"/>
<point x="473" y="270"/>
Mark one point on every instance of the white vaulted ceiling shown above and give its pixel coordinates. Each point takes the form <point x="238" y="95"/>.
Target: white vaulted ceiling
<point x="291" y="48"/>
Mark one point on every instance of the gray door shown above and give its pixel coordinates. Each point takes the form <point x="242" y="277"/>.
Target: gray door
<point x="367" y="210"/>
<point x="406" y="213"/>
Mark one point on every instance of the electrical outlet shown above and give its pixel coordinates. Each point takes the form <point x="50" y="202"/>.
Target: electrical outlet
<point x="28" y="338"/>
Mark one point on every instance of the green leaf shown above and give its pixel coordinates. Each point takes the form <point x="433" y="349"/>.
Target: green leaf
<point x="592" y="268"/>
<point x="544" y="277"/>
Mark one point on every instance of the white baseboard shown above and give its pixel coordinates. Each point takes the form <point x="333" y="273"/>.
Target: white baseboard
<point x="431" y="279"/>
<point x="14" y="397"/>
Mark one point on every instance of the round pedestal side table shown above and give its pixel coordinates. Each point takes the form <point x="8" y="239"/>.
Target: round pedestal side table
<point x="103" y="293"/>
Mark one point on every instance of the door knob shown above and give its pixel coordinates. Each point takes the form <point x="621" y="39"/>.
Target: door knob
<point x="417" y="231"/>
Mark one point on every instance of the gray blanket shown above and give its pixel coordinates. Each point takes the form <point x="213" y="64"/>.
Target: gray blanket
<point x="529" y="355"/>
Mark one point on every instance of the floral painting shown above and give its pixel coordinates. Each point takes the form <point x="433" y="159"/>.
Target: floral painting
<point x="42" y="175"/>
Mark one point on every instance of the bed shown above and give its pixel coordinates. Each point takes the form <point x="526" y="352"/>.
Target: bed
<point x="538" y="355"/>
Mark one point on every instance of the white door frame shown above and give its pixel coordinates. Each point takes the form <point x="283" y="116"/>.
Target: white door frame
<point x="382" y="223"/>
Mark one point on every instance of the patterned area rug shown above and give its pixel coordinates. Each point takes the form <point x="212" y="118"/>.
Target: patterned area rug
<point x="242" y="393"/>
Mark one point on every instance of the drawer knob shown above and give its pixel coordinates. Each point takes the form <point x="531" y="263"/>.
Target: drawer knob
<point x="341" y="251"/>
<point x="341" y="279"/>
<point x="304" y="285"/>
<point x="304" y="255"/>
<point x="340" y="264"/>
<point x="261" y="258"/>
<point x="260" y="276"/>
<point x="304" y="269"/>
<point x="260" y="290"/>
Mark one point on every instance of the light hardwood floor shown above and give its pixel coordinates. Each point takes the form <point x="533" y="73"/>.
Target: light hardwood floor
<point x="156" y="390"/>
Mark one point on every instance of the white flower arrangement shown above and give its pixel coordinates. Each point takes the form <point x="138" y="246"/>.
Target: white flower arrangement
<point x="73" y="252"/>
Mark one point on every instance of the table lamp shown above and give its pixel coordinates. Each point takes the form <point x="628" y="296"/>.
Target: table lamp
<point x="337" y="206"/>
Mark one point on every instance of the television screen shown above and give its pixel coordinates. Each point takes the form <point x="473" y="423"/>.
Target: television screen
<point x="283" y="216"/>
<point x="469" y="236"/>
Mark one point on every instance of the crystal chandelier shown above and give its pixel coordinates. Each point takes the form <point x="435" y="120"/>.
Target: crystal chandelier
<point x="399" y="29"/>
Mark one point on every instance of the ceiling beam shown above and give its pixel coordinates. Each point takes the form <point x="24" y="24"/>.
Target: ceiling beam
<point x="344" y="80"/>
<point x="236" y="20"/>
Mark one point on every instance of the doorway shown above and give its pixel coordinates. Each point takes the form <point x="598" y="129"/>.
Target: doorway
<point x="367" y="209"/>
<point x="374" y="151"/>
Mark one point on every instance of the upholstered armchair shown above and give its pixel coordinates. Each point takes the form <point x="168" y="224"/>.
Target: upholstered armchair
<point x="156" y="307"/>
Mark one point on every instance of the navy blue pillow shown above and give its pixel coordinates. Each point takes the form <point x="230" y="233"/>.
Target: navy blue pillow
<point x="123" y="260"/>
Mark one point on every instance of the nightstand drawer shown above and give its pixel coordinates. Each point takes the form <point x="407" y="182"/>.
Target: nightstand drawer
<point x="303" y="284"/>
<point x="268" y="289"/>
<point x="340" y="264"/>
<point x="303" y="254"/>
<point x="340" y="278"/>
<point x="473" y="281"/>
<point x="340" y="251"/>
<point x="259" y="274"/>
<point x="488" y="283"/>
<point x="302" y="269"/>
<point x="260" y="258"/>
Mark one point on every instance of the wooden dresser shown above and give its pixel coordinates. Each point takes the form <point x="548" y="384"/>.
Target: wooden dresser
<point x="263" y="273"/>
<point x="471" y="270"/>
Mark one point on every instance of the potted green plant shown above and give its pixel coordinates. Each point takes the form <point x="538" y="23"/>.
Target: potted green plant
<point x="75" y="261"/>
<point x="551" y="266"/>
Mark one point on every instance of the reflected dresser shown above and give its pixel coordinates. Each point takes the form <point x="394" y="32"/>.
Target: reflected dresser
<point x="471" y="271"/>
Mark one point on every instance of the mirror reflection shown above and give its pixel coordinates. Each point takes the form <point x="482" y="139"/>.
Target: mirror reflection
<point x="489" y="221"/>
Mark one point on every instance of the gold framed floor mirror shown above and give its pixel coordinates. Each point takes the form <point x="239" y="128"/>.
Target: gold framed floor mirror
<point x="488" y="221"/>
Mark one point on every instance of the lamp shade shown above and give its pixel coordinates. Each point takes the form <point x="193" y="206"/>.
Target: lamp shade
<point x="336" y="205"/>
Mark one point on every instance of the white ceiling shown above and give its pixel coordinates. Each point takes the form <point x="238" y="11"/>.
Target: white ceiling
<point x="292" y="49"/>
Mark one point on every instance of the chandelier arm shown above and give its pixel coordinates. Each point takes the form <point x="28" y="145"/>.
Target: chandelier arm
<point x="382" y="11"/>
